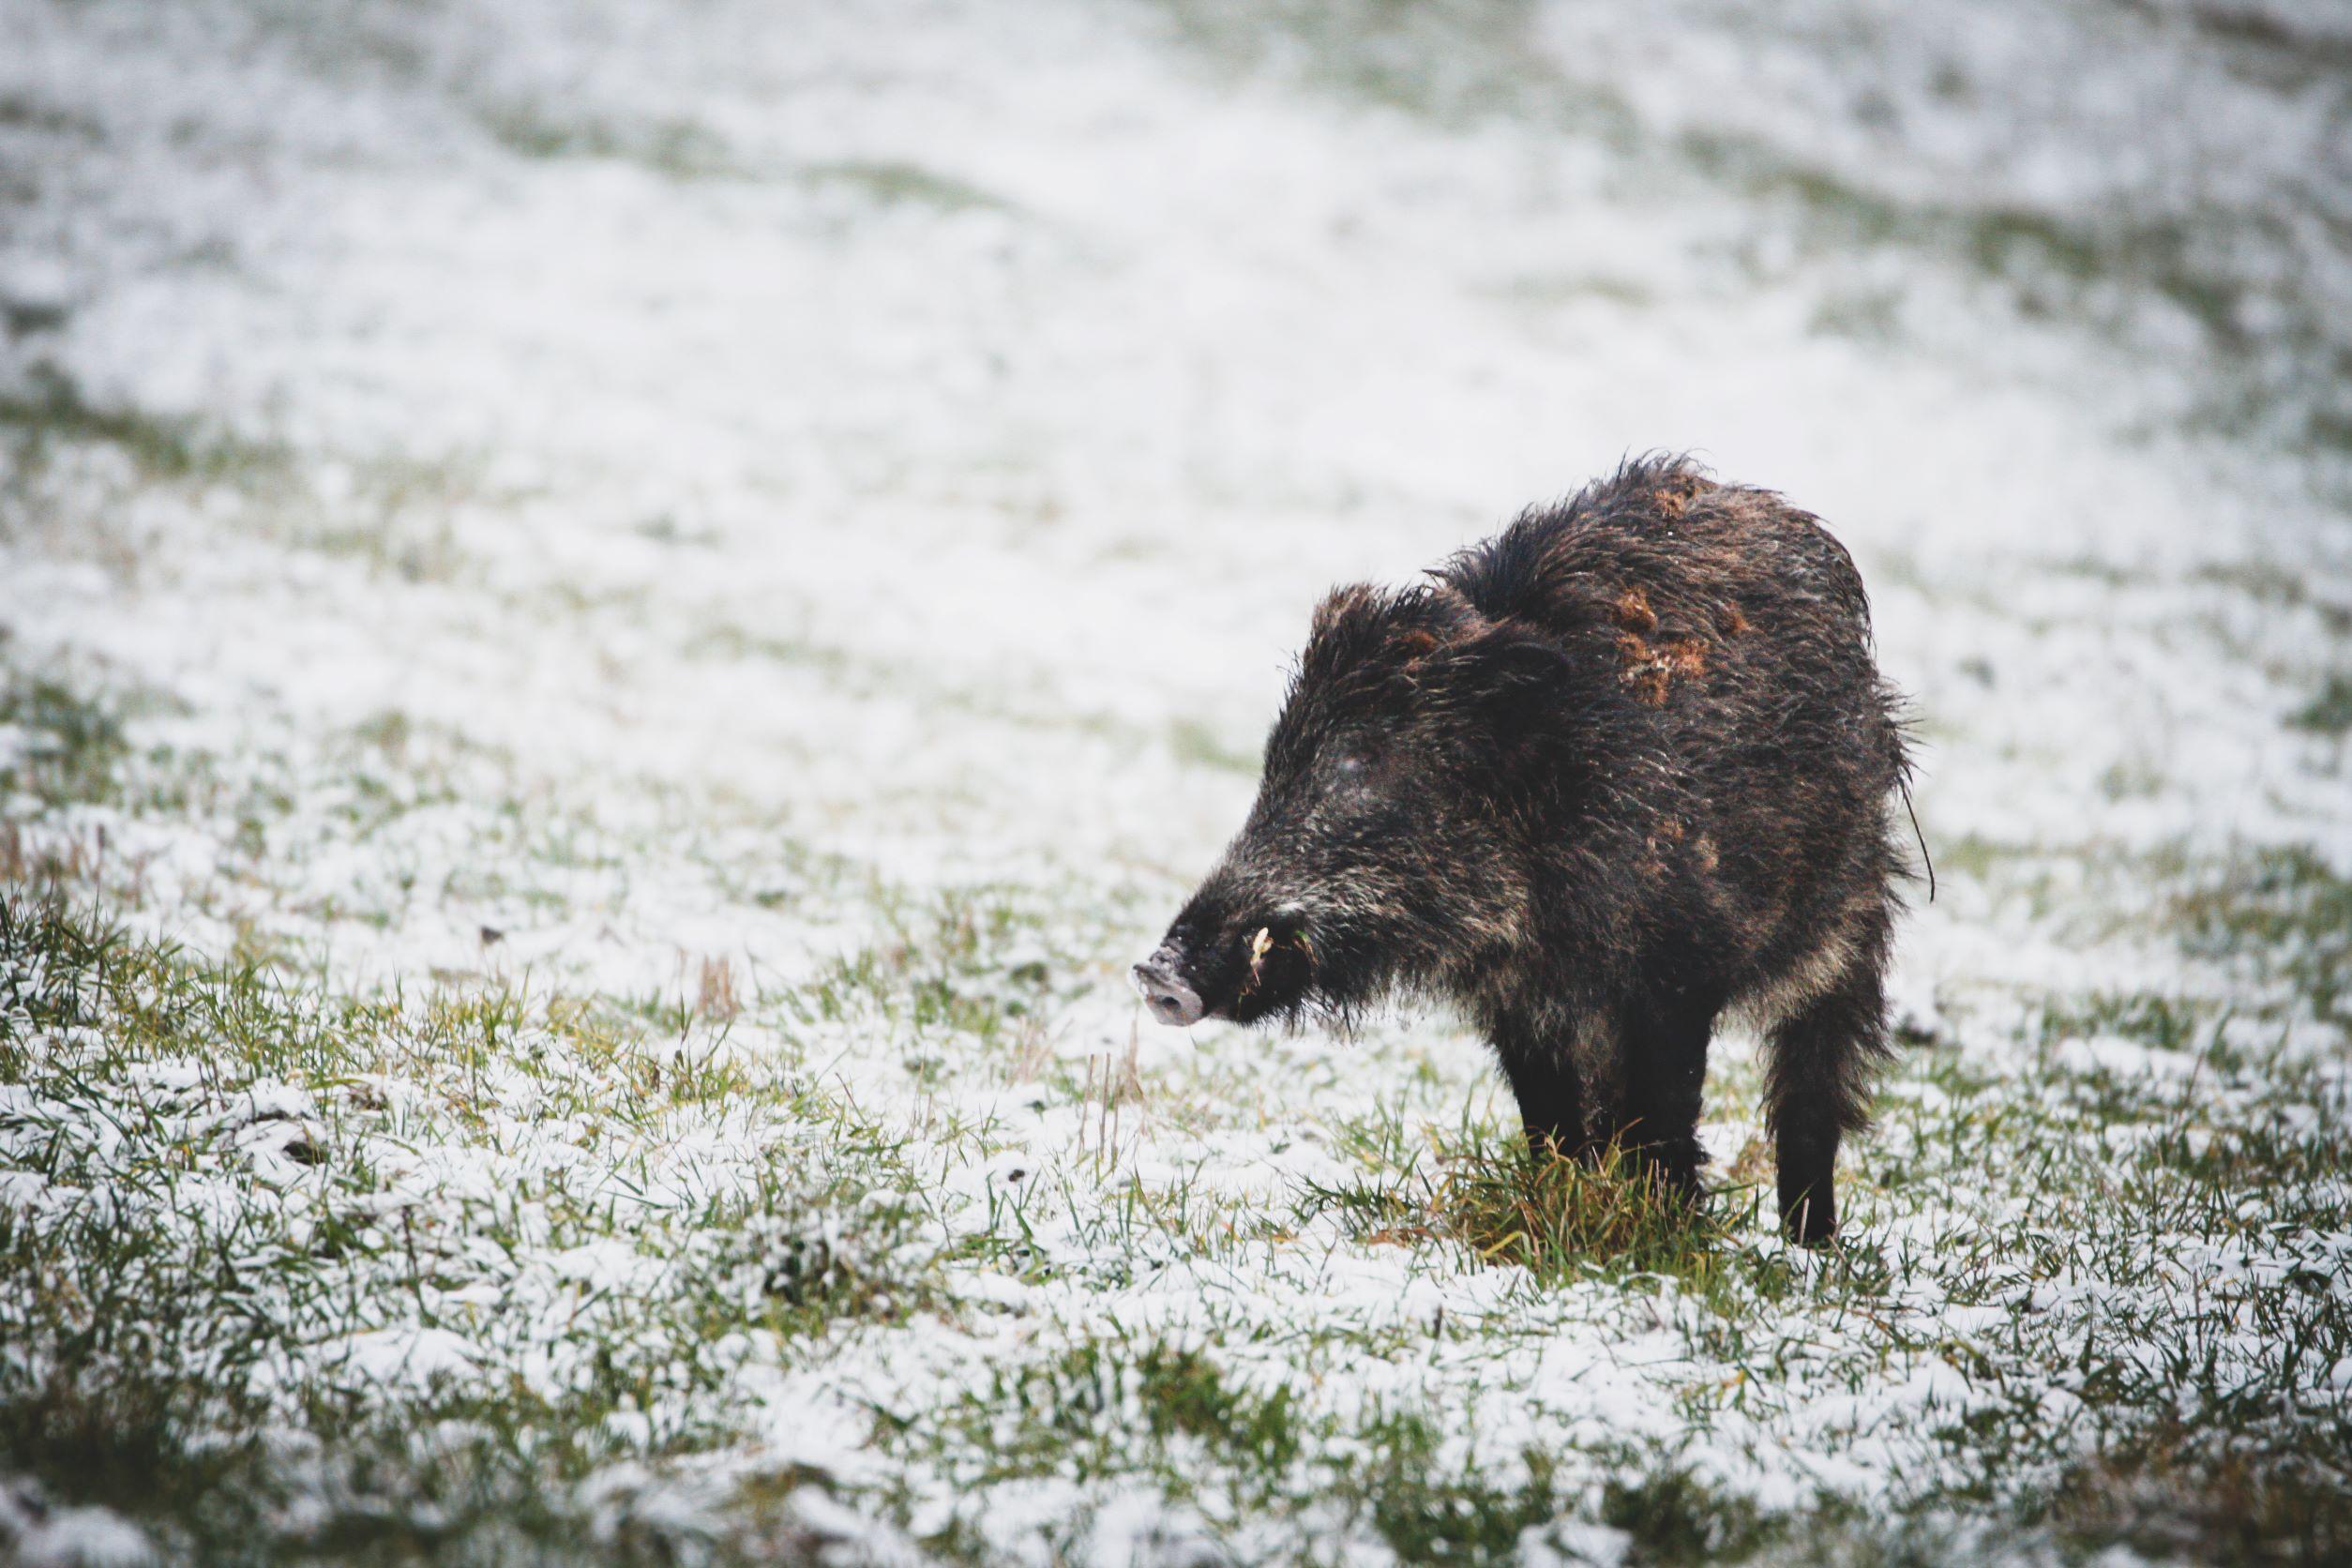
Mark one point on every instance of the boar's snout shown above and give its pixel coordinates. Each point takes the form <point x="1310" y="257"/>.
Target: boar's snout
<point x="1171" y="1001"/>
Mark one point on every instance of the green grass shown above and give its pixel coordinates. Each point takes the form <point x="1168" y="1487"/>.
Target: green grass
<point x="1428" y="1511"/>
<point x="142" y="1368"/>
<point x="71" y="747"/>
<point x="2162" y="1495"/>
<point x="2330" y="711"/>
<point x="1122" y="1408"/>
<point x="51" y="409"/>
<point x="1444" y="61"/>
<point x="2155" y="1315"/>
<point x="2286" y="914"/>
<point x="2097" y="264"/>
<point x="678" y="148"/>
<point x="903" y="185"/>
<point x="1085" y="1413"/>
<point x="682" y="148"/>
<point x="115" y="1416"/>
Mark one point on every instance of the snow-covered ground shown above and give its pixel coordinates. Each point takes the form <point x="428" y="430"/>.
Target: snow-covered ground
<point x="657" y="599"/>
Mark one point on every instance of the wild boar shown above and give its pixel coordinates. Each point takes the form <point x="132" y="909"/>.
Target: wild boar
<point x="1623" y="769"/>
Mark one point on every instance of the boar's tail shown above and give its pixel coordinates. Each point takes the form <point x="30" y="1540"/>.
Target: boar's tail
<point x="1911" y="811"/>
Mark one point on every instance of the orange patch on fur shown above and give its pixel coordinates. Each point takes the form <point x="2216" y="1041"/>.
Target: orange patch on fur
<point x="1661" y="845"/>
<point x="1704" y="854"/>
<point x="1675" y="496"/>
<point x="1632" y="611"/>
<point x="1652" y="668"/>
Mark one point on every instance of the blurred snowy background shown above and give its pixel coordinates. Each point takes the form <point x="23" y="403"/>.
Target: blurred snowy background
<point x="898" y="416"/>
<point x="649" y="499"/>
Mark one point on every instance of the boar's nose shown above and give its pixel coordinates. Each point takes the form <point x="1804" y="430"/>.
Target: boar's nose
<point x="1170" y="1000"/>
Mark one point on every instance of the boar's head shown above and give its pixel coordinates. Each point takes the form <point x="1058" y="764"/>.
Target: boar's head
<point x="1381" y="848"/>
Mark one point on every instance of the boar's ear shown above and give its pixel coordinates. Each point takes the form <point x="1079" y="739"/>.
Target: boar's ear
<point x="1426" y="622"/>
<point x="1346" y="634"/>
<point x="1345" y="607"/>
<point x="1508" y="677"/>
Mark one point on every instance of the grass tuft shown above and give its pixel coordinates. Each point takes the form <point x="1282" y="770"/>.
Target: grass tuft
<point x="1555" y="1215"/>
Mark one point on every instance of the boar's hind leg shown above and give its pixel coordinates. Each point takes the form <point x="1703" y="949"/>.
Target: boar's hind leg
<point x="1542" y="1075"/>
<point x="1820" y="1062"/>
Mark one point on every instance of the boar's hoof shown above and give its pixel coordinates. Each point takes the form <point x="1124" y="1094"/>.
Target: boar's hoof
<point x="1810" y="1222"/>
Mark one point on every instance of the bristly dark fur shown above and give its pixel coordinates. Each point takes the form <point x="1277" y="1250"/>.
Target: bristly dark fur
<point x="1622" y="769"/>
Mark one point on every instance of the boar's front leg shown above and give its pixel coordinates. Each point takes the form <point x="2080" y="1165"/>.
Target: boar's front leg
<point x="1542" y="1074"/>
<point x="1664" y="1042"/>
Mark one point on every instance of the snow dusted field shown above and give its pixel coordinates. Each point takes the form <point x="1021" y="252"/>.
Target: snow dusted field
<point x="616" y="619"/>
